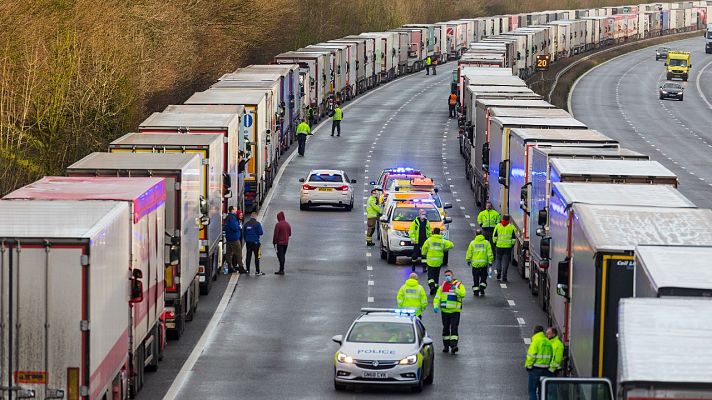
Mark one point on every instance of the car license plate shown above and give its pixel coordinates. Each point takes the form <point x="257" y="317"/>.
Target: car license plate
<point x="325" y="189"/>
<point x="378" y="375"/>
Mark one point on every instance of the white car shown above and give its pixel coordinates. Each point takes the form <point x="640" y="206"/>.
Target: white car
<point x="326" y="187"/>
<point x="384" y="347"/>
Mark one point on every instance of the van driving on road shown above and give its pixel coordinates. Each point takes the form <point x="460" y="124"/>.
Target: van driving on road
<point x="678" y="65"/>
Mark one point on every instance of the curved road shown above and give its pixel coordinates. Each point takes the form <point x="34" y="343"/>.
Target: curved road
<point x="274" y="339"/>
<point x="620" y="99"/>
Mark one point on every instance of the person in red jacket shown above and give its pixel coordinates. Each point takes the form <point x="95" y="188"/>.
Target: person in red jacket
<point x="280" y="240"/>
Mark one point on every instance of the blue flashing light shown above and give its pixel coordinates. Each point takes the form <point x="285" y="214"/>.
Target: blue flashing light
<point x="424" y="201"/>
<point x="405" y="311"/>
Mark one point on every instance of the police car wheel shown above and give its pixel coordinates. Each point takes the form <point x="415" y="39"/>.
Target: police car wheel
<point x="431" y="376"/>
<point x="339" y="387"/>
<point x="418" y="387"/>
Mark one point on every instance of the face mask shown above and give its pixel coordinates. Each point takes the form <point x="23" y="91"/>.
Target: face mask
<point x="422" y="217"/>
<point x="448" y="278"/>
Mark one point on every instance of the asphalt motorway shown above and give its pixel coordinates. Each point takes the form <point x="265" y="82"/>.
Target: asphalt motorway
<point x="620" y="99"/>
<point x="273" y="340"/>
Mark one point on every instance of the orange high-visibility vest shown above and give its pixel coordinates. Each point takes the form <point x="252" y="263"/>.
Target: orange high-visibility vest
<point x="453" y="99"/>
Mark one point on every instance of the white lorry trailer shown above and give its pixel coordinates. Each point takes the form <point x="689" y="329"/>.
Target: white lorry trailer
<point x="181" y="173"/>
<point x="662" y="271"/>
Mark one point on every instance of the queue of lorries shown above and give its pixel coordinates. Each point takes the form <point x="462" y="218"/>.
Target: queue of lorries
<point x="99" y="267"/>
<point x="597" y="225"/>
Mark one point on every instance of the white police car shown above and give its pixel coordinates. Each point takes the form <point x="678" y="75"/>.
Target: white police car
<point x="384" y="346"/>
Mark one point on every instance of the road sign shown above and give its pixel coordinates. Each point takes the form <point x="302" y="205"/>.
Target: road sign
<point x="542" y="62"/>
<point x="247" y="120"/>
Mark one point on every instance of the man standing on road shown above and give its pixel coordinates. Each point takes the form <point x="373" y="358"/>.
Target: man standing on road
<point x="233" y="237"/>
<point x="336" y="120"/>
<point x="504" y="236"/>
<point x="488" y="219"/>
<point x="280" y="240"/>
<point x="449" y="300"/>
<point x="412" y="295"/>
<point x="557" y="351"/>
<point x="303" y="130"/>
<point x="452" y="103"/>
<point x="434" y="250"/>
<point x="419" y="232"/>
<point x="538" y="360"/>
<point x="373" y="210"/>
<point x="310" y="116"/>
<point x="428" y="62"/>
<point x="479" y="257"/>
<point x="433" y="66"/>
<point x="252" y="232"/>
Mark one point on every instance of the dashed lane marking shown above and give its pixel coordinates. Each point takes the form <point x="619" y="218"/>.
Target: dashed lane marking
<point x="370" y="299"/>
<point x="369" y="268"/>
<point x="503" y="285"/>
<point x="511" y="303"/>
<point x="521" y="321"/>
<point x="371" y="282"/>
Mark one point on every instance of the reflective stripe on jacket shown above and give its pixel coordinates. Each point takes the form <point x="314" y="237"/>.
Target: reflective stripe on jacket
<point x="372" y="207"/>
<point x="479" y="253"/>
<point x="557" y="354"/>
<point x="434" y="250"/>
<point x="412" y="295"/>
<point x="338" y="114"/>
<point x="504" y="236"/>
<point x="539" y="353"/>
<point x="449" y="296"/>
<point x="414" y="230"/>
<point x="488" y="218"/>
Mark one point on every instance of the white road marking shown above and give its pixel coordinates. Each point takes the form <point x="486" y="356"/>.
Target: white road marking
<point x="527" y="340"/>
<point x="467" y="216"/>
<point x="369" y="268"/>
<point x="368" y="254"/>
<point x="521" y="321"/>
<point x="370" y="300"/>
<point x="511" y="303"/>
<point x="503" y="285"/>
<point x="371" y="283"/>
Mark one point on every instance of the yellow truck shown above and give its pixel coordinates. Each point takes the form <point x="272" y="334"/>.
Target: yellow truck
<point x="678" y="65"/>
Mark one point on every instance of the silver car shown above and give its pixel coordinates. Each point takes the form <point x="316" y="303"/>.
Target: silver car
<point x="384" y="347"/>
<point x="326" y="187"/>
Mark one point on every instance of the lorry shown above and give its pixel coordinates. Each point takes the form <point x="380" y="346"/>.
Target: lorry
<point x="68" y="292"/>
<point x="678" y="65"/>
<point x="259" y="169"/>
<point x="647" y="369"/>
<point x="370" y="60"/>
<point x="181" y="173"/>
<point x="654" y="275"/>
<point x="314" y="68"/>
<point x="142" y="338"/>
<point x="206" y="123"/>
<point x="209" y="148"/>
<point x="359" y="64"/>
<point x="597" y="269"/>
<point x="708" y="39"/>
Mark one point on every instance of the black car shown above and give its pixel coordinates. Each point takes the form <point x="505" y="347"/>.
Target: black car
<point x="671" y="90"/>
<point x="661" y="53"/>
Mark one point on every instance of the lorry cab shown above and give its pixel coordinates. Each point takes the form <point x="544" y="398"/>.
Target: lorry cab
<point x="678" y="65"/>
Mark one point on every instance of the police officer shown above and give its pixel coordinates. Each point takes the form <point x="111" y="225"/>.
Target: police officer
<point x="557" y="351"/>
<point x="373" y="210"/>
<point x="428" y="62"/>
<point x="434" y="249"/>
<point x="412" y="295"/>
<point x="538" y="360"/>
<point x="449" y="300"/>
<point x="479" y="257"/>
<point x="488" y="219"/>
<point x="419" y="232"/>
<point x="336" y="120"/>
<point x="310" y="115"/>
<point x="504" y="236"/>
<point x="303" y="130"/>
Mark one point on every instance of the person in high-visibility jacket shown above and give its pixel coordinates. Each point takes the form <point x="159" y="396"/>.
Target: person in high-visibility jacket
<point x="336" y="120"/>
<point x="452" y="104"/>
<point x="373" y="210"/>
<point x="434" y="250"/>
<point x="303" y="130"/>
<point x="557" y="351"/>
<point x="418" y="233"/>
<point x="488" y="219"/>
<point x="479" y="256"/>
<point x="538" y="360"/>
<point x="428" y="62"/>
<point x="449" y="300"/>
<point x="504" y="237"/>
<point x="412" y="295"/>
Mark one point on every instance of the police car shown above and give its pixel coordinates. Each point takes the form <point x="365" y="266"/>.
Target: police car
<point x="384" y="347"/>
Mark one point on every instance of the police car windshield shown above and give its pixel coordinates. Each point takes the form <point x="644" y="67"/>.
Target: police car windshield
<point x="410" y="213"/>
<point x="382" y="332"/>
<point x="326" y="178"/>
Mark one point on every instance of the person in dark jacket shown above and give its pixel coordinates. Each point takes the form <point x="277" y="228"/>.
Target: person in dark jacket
<point x="280" y="240"/>
<point x="233" y="237"/>
<point x="252" y="232"/>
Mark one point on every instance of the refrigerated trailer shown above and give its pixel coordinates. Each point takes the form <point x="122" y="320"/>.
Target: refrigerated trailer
<point x="370" y="60"/>
<point x="209" y="149"/>
<point x="662" y="271"/>
<point x="227" y="125"/>
<point x="67" y="293"/>
<point x="599" y="270"/>
<point x="145" y="198"/>
<point x="314" y="68"/>
<point x="361" y="69"/>
<point x="181" y="172"/>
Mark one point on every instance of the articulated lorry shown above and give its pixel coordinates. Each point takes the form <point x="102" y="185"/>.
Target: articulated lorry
<point x="656" y="276"/>
<point x="69" y="291"/>
<point x="708" y="39"/>
<point x="184" y="186"/>
<point x="209" y="148"/>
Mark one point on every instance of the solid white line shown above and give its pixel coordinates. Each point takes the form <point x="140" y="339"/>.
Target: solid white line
<point x="699" y="89"/>
<point x="207" y="335"/>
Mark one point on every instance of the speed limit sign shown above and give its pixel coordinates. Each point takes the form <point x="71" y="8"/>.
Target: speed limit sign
<point x="542" y="62"/>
